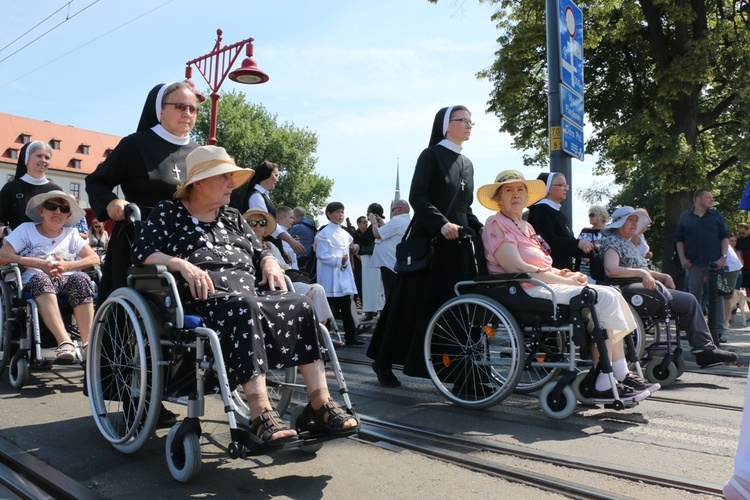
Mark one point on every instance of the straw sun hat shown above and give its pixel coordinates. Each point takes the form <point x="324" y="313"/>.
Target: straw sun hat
<point x="207" y="161"/>
<point x="270" y="221"/>
<point x="76" y="212"/>
<point x="535" y="188"/>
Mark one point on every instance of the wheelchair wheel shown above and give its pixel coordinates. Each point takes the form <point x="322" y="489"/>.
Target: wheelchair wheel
<point x="474" y="351"/>
<point x="5" y="334"/>
<point x="680" y="364"/>
<point x="639" y="334"/>
<point x="656" y="373"/>
<point x="534" y="378"/>
<point x="19" y="371"/>
<point x="558" y="408"/>
<point x="583" y="393"/>
<point x="186" y="462"/>
<point x="123" y="371"/>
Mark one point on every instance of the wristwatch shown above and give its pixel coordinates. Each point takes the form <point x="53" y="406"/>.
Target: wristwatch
<point x="724" y="255"/>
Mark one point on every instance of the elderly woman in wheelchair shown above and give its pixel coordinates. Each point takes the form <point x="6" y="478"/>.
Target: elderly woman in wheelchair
<point x="512" y="246"/>
<point x="219" y="258"/>
<point x="52" y="254"/>
<point x="622" y="260"/>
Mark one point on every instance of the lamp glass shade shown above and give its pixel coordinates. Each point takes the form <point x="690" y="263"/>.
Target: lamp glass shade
<point x="248" y="73"/>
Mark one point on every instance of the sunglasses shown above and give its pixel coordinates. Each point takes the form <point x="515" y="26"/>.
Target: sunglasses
<point x="97" y="227"/>
<point x="52" y="206"/>
<point x="543" y="244"/>
<point x="183" y="107"/>
<point x="261" y="223"/>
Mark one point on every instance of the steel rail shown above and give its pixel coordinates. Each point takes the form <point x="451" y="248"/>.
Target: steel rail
<point x="458" y="449"/>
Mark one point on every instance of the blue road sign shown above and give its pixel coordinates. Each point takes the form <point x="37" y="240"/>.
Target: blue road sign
<point x="571" y="45"/>
<point x="572" y="139"/>
<point x="571" y="105"/>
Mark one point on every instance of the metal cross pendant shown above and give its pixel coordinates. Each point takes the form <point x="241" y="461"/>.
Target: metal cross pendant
<point x="463" y="184"/>
<point x="176" y="172"/>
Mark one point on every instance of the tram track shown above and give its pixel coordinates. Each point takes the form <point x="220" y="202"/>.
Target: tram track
<point x="23" y="476"/>
<point x="463" y="451"/>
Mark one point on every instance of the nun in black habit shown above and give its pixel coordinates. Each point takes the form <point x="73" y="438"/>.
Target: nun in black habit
<point x="552" y="225"/>
<point x="147" y="166"/>
<point x="15" y="194"/>
<point x="441" y="194"/>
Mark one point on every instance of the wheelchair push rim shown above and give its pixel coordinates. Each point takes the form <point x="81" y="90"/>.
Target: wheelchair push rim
<point x="474" y="351"/>
<point x="131" y="363"/>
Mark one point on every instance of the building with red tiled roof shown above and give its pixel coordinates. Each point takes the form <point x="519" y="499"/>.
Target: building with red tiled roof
<point x="75" y="152"/>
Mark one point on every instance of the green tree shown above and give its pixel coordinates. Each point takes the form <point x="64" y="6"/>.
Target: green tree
<point x="251" y="134"/>
<point x="667" y="92"/>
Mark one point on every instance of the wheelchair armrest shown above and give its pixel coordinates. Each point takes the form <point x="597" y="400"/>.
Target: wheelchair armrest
<point x="619" y="281"/>
<point x="502" y="277"/>
<point x="147" y="270"/>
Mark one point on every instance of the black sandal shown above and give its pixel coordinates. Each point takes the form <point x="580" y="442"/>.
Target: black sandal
<point x="337" y="417"/>
<point x="266" y="425"/>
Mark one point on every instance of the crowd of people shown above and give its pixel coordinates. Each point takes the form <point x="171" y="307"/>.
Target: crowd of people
<point x="233" y="247"/>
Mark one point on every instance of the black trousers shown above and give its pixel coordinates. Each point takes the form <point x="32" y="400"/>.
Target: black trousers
<point x="343" y="305"/>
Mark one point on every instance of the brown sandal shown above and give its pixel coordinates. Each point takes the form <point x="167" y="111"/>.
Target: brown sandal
<point x="337" y="417"/>
<point x="266" y="425"/>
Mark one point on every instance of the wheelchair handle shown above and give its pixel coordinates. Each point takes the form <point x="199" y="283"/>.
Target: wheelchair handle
<point x="132" y="213"/>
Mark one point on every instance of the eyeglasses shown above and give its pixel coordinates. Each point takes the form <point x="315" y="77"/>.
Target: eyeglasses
<point x="52" y="206"/>
<point x="261" y="223"/>
<point x="564" y="186"/>
<point x="543" y="244"/>
<point x="465" y="120"/>
<point x="97" y="227"/>
<point x="592" y="215"/>
<point x="191" y="110"/>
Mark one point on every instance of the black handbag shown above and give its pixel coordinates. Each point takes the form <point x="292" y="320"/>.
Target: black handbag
<point x="414" y="255"/>
<point x="722" y="286"/>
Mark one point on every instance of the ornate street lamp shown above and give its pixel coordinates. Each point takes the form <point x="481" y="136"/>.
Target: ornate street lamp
<point x="216" y="65"/>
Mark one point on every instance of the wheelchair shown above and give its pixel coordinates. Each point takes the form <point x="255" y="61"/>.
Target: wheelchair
<point x="493" y="339"/>
<point x="144" y="350"/>
<point x="23" y="334"/>
<point x="663" y="356"/>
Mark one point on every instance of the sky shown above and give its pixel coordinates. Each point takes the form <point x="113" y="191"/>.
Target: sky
<point x="367" y="76"/>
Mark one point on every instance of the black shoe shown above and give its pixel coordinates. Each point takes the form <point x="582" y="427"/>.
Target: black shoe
<point x="626" y="394"/>
<point x="639" y="383"/>
<point x="723" y="339"/>
<point x="714" y="357"/>
<point x="354" y="342"/>
<point x="166" y="418"/>
<point x="386" y="376"/>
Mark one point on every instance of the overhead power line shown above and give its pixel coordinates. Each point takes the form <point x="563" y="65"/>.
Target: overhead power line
<point x="36" y="25"/>
<point x="85" y="44"/>
<point x="68" y="18"/>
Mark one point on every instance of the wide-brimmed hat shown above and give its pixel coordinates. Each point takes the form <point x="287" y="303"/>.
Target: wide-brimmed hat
<point x="76" y="212"/>
<point x="535" y="188"/>
<point x="270" y="221"/>
<point x="621" y="215"/>
<point x="208" y="161"/>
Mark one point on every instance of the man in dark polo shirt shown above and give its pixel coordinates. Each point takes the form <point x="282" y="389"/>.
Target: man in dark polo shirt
<point x="702" y="237"/>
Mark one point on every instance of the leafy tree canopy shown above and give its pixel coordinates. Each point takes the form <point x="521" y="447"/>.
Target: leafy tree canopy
<point x="251" y="135"/>
<point x="667" y="92"/>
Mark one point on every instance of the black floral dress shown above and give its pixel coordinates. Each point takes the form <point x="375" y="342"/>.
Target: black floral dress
<point x="258" y="332"/>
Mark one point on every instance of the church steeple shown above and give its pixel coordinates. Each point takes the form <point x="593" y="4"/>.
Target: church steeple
<point x="397" y="194"/>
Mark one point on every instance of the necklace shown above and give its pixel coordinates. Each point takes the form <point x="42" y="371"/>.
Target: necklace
<point x="220" y="248"/>
<point x="175" y="168"/>
<point x="53" y="238"/>
<point x="516" y="223"/>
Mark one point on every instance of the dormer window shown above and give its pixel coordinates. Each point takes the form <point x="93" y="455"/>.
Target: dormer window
<point x="83" y="149"/>
<point x="55" y="144"/>
<point x="107" y="152"/>
<point x="75" y="163"/>
<point x="24" y="138"/>
<point x="11" y="153"/>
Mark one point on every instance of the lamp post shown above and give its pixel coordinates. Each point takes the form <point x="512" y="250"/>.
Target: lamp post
<point x="216" y="65"/>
